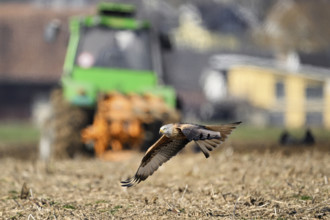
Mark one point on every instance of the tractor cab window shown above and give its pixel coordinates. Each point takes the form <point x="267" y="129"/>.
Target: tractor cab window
<point x="104" y="47"/>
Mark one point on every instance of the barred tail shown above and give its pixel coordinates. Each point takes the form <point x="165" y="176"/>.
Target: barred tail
<point x="225" y="130"/>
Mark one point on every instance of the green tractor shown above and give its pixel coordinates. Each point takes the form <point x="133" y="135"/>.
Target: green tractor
<point x="111" y="97"/>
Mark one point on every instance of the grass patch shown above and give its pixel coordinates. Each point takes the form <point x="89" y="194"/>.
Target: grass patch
<point x="12" y="132"/>
<point x="306" y="197"/>
<point x="244" y="132"/>
<point x="13" y="194"/>
<point x="51" y="203"/>
<point x="115" y="209"/>
<point x="69" y="206"/>
<point x="100" y="201"/>
<point x="272" y="134"/>
<point x="302" y="197"/>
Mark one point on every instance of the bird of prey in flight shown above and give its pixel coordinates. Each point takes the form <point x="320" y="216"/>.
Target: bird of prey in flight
<point x="175" y="137"/>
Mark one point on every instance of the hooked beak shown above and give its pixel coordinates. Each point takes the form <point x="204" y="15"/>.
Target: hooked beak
<point x="161" y="131"/>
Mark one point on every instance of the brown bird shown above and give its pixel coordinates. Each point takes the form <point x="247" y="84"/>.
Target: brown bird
<point x="175" y="137"/>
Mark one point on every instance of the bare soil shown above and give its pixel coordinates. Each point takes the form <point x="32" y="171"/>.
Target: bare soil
<point x="236" y="182"/>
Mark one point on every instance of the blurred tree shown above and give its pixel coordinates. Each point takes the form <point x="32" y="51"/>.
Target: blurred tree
<point x="294" y="25"/>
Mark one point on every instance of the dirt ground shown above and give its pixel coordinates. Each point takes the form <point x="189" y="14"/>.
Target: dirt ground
<point x="236" y="182"/>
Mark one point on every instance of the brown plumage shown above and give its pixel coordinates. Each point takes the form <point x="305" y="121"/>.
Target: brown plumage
<point x="175" y="137"/>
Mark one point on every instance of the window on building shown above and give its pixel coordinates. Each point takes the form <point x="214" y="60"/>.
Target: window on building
<point x="314" y="91"/>
<point x="314" y="119"/>
<point x="280" y="89"/>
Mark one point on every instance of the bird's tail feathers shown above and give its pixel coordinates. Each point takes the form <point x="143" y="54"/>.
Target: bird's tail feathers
<point x="225" y="130"/>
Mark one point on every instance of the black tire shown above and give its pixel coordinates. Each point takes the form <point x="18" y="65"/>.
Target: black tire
<point x="66" y="123"/>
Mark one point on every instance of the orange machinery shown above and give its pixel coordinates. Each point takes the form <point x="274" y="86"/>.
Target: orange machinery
<point x="119" y="121"/>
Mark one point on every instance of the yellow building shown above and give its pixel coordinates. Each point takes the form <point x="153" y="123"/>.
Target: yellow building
<point x="291" y="98"/>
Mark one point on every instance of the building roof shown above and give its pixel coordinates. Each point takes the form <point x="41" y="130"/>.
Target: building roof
<point x="226" y="61"/>
<point x="24" y="55"/>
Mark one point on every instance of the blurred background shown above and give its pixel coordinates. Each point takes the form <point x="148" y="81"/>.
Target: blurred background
<point x="266" y="63"/>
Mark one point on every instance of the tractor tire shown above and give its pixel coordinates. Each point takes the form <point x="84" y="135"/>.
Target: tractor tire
<point x="65" y="124"/>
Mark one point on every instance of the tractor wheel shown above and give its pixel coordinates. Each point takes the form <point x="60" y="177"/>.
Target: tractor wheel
<point x="63" y="127"/>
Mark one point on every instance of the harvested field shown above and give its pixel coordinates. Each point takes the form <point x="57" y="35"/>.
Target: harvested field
<point x="272" y="183"/>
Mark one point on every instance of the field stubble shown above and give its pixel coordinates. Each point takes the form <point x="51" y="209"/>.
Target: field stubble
<point x="242" y="182"/>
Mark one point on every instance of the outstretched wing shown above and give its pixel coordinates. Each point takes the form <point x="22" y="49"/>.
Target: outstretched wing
<point x="225" y="129"/>
<point x="198" y="132"/>
<point x="157" y="154"/>
<point x="207" y="137"/>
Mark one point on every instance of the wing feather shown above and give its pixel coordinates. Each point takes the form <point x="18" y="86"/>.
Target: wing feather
<point x="225" y="130"/>
<point x="163" y="150"/>
<point x="198" y="132"/>
<point x="208" y="137"/>
<point x="203" y="148"/>
<point x="208" y="146"/>
<point x="214" y="142"/>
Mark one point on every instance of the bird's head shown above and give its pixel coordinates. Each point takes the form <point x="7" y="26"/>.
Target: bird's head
<point x="166" y="130"/>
